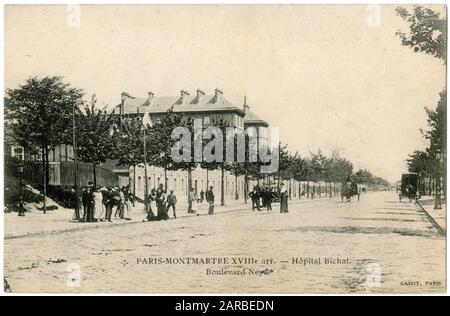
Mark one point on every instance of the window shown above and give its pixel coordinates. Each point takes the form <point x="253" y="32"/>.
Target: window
<point x="17" y="151"/>
<point x="140" y="183"/>
<point x="206" y="121"/>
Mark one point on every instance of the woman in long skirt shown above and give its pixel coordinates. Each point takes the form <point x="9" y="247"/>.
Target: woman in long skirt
<point x="283" y="199"/>
<point x="152" y="210"/>
<point x="99" y="207"/>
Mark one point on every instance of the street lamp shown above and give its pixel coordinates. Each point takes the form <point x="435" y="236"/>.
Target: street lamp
<point x="437" y="196"/>
<point x="20" y="171"/>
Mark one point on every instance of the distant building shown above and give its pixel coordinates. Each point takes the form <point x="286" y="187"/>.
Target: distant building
<point x="212" y="109"/>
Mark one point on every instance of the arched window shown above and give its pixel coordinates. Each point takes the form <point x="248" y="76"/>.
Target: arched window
<point x="140" y="183"/>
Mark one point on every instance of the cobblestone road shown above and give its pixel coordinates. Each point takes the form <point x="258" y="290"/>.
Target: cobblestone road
<point x="382" y="245"/>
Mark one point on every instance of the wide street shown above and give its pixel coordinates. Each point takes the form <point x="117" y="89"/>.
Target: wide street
<point x="376" y="245"/>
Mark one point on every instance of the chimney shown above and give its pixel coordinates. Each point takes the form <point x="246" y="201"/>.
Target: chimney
<point x="184" y="96"/>
<point x="150" y="97"/>
<point x="200" y="95"/>
<point x="218" y="95"/>
<point x="246" y="107"/>
<point x="124" y="97"/>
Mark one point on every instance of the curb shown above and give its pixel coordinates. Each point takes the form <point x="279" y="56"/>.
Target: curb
<point x="441" y="230"/>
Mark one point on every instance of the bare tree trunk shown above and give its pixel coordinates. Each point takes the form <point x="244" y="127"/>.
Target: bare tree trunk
<point x="307" y="189"/>
<point x="245" y="186"/>
<point x="94" y="174"/>
<point x="222" y="191"/>
<point x="134" y="183"/>
<point x="47" y="166"/>
<point x="165" y="179"/>
<point x="189" y="180"/>
<point x="44" y="179"/>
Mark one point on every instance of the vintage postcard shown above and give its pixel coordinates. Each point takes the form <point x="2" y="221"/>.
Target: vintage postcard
<point x="246" y="149"/>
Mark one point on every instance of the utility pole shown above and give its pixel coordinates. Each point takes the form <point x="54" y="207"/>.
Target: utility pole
<point x="145" y="120"/>
<point x="75" y="159"/>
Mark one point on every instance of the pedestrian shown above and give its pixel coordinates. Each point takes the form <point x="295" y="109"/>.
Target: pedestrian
<point x="99" y="207"/>
<point x="283" y="199"/>
<point x="269" y="197"/>
<point x="210" y="200"/>
<point x="88" y="202"/>
<point x="91" y="189"/>
<point x="191" y="202"/>
<point x="254" y="195"/>
<point x="161" y="203"/>
<point x="152" y="209"/>
<point x="84" y="200"/>
<point x="126" y="206"/>
<point x="202" y="196"/>
<point x="110" y="202"/>
<point x="118" y="197"/>
<point x="264" y="197"/>
<point x="171" y="203"/>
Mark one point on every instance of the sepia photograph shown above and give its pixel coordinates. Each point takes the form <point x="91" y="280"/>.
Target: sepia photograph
<point x="224" y="149"/>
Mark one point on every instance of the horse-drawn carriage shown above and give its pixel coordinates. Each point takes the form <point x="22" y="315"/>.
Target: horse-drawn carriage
<point x="350" y="189"/>
<point x="409" y="186"/>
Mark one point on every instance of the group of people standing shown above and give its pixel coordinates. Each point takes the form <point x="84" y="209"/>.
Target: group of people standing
<point x="267" y="195"/>
<point x="194" y="201"/>
<point x="99" y="202"/>
<point x="160" y="203"/>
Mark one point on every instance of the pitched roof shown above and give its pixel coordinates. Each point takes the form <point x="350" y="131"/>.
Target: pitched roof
<point x="207" y="103"/>
<point x="252" y="118"/>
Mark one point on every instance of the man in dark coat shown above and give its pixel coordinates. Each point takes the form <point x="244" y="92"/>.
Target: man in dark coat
<point x="210" y="200"/>
<point x="171" y="203"/>
<point x="110" y="202"/>
<point x="268" y="196"/>
<point x="254" y="195"/>
<point x="88" y="202"/>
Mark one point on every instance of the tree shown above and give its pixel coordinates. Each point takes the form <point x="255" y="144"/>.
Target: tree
<point x="188" y="166"/>
<point x="437" y="121"/>
<point x="222" y="165"/>
<point x="427" y="31"/>
<point x="342" y="169"/>
<point x="285" y="159"/>
<point x="95" y="141"/>
<point x="160" y="142"/>
<point x="428" y="34"/>
<point x="128" y="146"/>
<point x="299" y="170"/>
<point x="318" y="167"/>
<point x="40" y="112"/>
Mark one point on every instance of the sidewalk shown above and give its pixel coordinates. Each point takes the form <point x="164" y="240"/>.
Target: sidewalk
<point x="438" y="216"/>
<point x="35" y="223"/>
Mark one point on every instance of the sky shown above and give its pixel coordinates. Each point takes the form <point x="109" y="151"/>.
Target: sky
<point x="333" y="77"/>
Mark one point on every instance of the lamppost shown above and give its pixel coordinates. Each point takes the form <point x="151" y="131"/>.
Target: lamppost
<point x="437" y="196"/>
<point x="20" y="171"/>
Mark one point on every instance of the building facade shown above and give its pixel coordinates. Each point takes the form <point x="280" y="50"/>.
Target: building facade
<point x="212" y="109"/>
